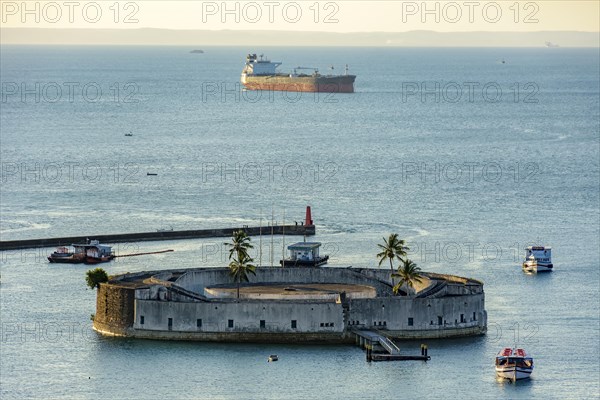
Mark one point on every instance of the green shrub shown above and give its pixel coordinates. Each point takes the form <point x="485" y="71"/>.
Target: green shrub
<point x="94" y="277"/>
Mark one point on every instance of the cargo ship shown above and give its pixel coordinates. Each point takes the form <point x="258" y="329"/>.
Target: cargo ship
<point x="259" y="73"/>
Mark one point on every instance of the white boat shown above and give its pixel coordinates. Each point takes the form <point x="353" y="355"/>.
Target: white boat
<point x="538" y="259"/>
<point x="514" y="364"/>
<point x="304" y="254"/>
<point x="272" y="358"/>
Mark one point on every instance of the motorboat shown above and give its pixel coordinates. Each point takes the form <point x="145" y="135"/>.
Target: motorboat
<point x="514" y="364"/>
<point x="538" y="259"/>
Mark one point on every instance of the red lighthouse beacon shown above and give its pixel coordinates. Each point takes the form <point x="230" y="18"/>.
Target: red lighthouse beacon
<point x="308" y="221"/>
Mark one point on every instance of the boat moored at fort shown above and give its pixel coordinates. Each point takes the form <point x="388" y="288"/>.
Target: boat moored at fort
<point x="260" y="73"/>
<point x="304" y="254"/>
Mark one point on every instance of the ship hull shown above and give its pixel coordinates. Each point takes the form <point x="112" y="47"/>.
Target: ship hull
<point x="72" y="259"/>
<point x="326" y="84"/>
<point x="536" y="267"/>
<point x="514" y="373"/>
<point x="304" y="263"/>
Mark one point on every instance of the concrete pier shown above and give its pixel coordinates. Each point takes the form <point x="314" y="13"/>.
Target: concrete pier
<point x="376" y="345"/>
<point x="291" y="230"/>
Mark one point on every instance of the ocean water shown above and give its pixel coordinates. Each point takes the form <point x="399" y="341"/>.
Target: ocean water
<point x="426" y="147"/>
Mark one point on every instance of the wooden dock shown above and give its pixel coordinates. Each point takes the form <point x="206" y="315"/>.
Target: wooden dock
<point x="371" y="340"/>
<point x="397" y="357"/>
<point x="291" y="230"/>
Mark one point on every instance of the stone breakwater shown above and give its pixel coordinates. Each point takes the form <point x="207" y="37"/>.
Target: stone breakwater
<point x="297" y="229"/>
<point x="328" y="305"/>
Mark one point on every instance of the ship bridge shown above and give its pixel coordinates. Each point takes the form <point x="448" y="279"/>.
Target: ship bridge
<point x="260" y="65"/>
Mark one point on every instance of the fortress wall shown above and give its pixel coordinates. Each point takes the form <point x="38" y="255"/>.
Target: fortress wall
<point x="114" y="308"/>
<point x="395" y="311"/>
<point x="118" y="313"/>
<point x="389" y="314"/>
<point x="246" y="317"/>
<point x="453" y="289"/>
<point x="198" y="280"/>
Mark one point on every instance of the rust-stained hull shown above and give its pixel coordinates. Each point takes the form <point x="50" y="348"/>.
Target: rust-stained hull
<point x="327" y="84"/>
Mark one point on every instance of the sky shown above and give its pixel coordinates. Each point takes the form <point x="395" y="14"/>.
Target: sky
<point x="327" y="16"/>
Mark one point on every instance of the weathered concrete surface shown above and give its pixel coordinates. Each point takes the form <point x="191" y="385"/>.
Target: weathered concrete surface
<point x="241" y="337"/>
<point x="310" y="317"/>
<point x="198" y="280"/>
<point x="115" y="308"/>
<point x="291" y="291"/>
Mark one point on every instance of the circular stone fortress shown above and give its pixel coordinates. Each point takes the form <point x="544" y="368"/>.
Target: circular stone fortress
<point x="296" y="304"/>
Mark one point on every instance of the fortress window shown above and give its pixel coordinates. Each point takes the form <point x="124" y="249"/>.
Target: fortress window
<point x="141" y="320"/>
<point x="331" y="324"/>
<point x="474" y="316"/>
<point x="294" y="325"/>
<point x="199" y="323"/>
<point x="170" y="323"/>
<point x="410" y="322"/>
<point x="262" y="323"/>
<point x="462" y="318"/>
<point x="230" y="323"/>
<point x="439" y="320"/>
<point x="322" y="324"/>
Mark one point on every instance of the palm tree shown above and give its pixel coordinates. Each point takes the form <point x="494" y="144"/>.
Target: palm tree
<point x="239" y="269"/>
<point x="392" y="248"/>
<point x="240" y="244"/>
<point x="408" y="273"/>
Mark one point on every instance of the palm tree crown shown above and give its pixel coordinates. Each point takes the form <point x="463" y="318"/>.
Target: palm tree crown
<point x="239" y="268"/>
<point x="408" y="273"/>
<point x="392" y="247"/>
<point x="240" y="244"/>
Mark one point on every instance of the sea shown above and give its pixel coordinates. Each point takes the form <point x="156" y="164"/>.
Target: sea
<point x="468" y="154"/>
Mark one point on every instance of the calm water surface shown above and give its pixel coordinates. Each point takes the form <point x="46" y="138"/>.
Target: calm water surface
<point x="467" y="182"/>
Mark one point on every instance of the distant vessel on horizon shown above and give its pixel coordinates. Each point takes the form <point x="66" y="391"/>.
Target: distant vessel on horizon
<point x="550" y="44"/>
<point x="261" y="74"/>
